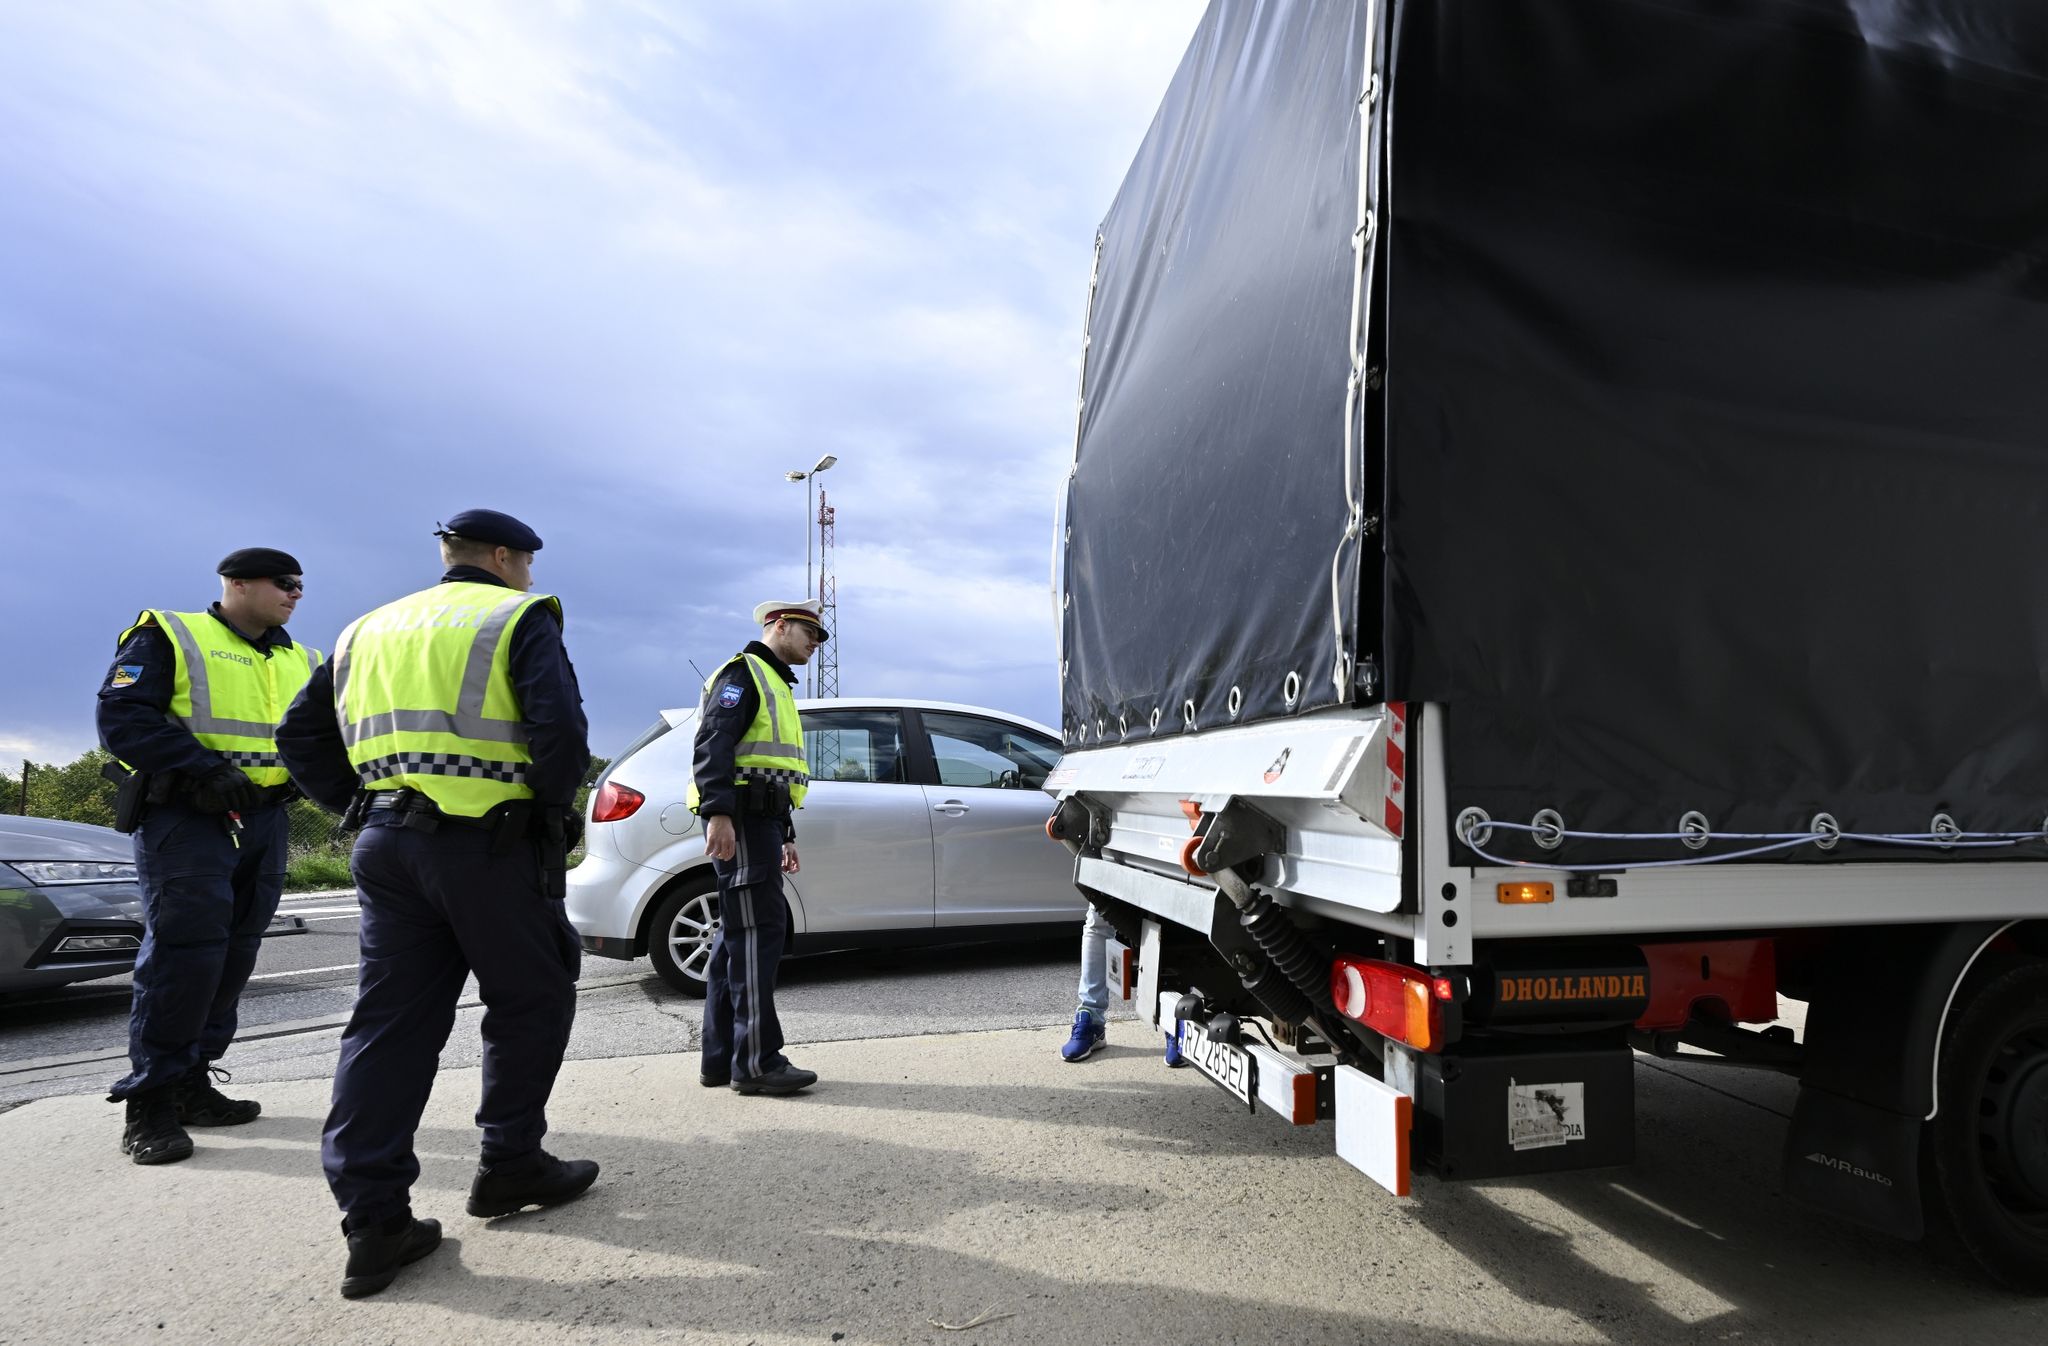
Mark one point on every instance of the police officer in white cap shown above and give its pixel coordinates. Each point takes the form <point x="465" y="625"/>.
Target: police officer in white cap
<point x="750" y="774"/>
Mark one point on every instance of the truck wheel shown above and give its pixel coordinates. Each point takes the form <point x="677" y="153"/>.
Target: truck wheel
<point x="1987" y="1147"/>
<point x="679" y="934"/>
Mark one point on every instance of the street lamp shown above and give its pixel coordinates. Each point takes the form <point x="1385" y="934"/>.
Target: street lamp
<point x="809" y="511"/>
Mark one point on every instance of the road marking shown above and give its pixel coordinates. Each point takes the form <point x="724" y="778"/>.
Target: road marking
<point x="304" y="972"/>
<point x="319" y="911"/>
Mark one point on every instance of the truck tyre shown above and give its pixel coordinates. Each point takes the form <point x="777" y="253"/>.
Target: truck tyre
<point x="679" y="933"/>
<point x="1987" y="1147"/>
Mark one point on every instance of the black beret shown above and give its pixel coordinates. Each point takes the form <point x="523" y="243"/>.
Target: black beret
<point x="487" y="525"/>
<point x="257" y="563"/>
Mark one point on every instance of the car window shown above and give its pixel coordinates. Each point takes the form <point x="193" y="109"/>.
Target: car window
<point x="855" y="745"/>
<point x="989" y="754"/>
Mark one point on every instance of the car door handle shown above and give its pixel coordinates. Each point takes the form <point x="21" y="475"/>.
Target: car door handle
<point x="952" y="808"/>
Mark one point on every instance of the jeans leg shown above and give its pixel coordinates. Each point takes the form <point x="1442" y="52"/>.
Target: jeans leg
<point x="1094" y="988"/>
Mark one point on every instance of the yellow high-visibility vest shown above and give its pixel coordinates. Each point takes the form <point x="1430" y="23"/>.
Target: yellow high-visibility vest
<point x="228" y="695"/>
<point x="423" y="693"/>
<point x="773" y="746"/>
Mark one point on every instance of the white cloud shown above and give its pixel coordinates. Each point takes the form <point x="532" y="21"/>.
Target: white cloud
<point x="625" y="263"/>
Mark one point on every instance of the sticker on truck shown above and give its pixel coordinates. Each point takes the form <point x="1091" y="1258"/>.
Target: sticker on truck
<point x="1545" y="1115"/>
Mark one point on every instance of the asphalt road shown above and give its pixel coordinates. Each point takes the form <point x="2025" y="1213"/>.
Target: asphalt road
<point x="957" y="1167"/>
<point x="73" y="1039"/>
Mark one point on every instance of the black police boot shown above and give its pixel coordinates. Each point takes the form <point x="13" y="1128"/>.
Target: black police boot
<point x="200" y="1104"/>
<point x="538" y="1179"/>
<point x="784" y="1079"/>
<point x="153" y="1135"/>
<point x="376" y="1254"/>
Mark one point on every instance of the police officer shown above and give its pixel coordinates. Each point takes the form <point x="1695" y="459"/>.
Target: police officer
<point x="749" y="774"/>
<point x="452" y="724"/>
<point x="190" y="709"/>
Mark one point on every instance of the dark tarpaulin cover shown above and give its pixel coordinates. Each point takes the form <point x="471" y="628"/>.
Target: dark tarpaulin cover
<point x="1209" y="499"/>
<point x="1718" y="410"/>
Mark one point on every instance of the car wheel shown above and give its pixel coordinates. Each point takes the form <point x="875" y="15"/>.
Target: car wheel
<point x="1989" y="1142"/>
<point x="680" y="932"/>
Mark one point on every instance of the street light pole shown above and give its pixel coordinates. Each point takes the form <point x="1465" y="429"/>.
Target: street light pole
<point x="810" y="516"/>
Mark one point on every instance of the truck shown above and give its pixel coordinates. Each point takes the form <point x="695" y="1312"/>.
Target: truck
<point x="1551" y="574"/>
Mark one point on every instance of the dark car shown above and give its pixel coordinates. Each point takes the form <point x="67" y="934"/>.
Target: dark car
<point x="70" y="906"/>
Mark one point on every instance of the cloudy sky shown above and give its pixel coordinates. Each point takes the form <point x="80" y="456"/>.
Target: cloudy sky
<point x="315" y="274"/>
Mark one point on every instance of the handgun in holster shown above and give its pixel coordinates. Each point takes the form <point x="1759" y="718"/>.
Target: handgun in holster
<point x="520" y="823"/>
<point x="356" y="814"/>
<point x="131" y="795"/>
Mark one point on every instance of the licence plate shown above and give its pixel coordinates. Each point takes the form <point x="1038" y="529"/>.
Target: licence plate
<point x="1228" y="1064"/>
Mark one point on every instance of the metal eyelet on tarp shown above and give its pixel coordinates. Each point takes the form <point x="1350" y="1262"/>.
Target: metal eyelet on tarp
<point x="1695" y="831"/>
<point x="1826" y="831"/>
<point x="1474" y="827"/>
<point x="1945" y="826"/>
<point x="1547" y="828"/>
<point x="1290" y="691"/>
<point x="1187" y="714"/>
<point x="1155" y="719"/>
<point x="1236" y="702"/>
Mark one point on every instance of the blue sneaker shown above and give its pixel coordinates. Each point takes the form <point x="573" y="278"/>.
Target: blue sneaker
<point x="1088" y="1038"/>
<point x="1173" y="1056"/>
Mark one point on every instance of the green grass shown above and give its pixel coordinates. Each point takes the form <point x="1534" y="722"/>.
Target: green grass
<point x="317" y="869"/>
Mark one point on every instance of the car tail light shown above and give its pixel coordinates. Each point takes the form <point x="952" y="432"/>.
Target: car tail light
<point x="615" y="801"/>
<point x="1397" y="1001"/>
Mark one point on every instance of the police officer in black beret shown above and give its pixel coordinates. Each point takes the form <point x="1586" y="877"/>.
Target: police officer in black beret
<point x="452" y="724"/>
<point x="190" y="710"/>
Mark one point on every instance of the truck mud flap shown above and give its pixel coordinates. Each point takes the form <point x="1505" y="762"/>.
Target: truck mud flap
<point x="1487" y="1111"/>
<point x="1857" y="1161"/>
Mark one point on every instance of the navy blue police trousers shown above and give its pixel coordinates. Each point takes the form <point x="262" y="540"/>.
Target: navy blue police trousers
<point x="437" y="906"/>
<point x="206" y="901"/>
<point x="742" y="1036"/>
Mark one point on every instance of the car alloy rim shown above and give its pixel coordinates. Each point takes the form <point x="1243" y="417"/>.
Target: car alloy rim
<point x="691" y="933"/>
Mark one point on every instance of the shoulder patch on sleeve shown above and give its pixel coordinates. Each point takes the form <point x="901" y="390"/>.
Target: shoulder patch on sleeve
<point x="729" y="695"/>
<point x="125" y="675"/>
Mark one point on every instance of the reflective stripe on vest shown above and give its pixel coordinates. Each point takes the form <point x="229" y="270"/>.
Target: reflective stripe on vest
<point x="773" y="748"/>
<point x="226" y="693"/>
<point x="423" y="694"/>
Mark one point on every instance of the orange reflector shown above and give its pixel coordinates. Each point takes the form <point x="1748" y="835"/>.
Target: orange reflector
<point x="1191" y="811"/>
<point x="1525" y="894"/>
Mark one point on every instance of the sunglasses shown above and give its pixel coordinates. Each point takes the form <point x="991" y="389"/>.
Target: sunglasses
<point x="288" y="584"/>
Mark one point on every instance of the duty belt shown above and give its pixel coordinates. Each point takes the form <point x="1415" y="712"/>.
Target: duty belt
<point x="417" y="810"/>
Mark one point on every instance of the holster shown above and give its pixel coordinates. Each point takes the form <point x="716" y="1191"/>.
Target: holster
<point x="356" y="814"/>
<point x="542" y="829"/>
<point x="131" y="795"/>
<point x="764" y="798"/>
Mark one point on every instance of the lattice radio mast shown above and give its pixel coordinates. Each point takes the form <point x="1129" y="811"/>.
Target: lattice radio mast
<point x="825" y="675"/>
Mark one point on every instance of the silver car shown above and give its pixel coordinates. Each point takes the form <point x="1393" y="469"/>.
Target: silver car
<point x="925" y="823"/>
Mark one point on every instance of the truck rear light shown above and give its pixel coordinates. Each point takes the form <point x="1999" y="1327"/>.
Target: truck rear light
<point x="615" y="801"/>
<point x="1526" y="894"/>
<point x="1396" y="1001"/>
